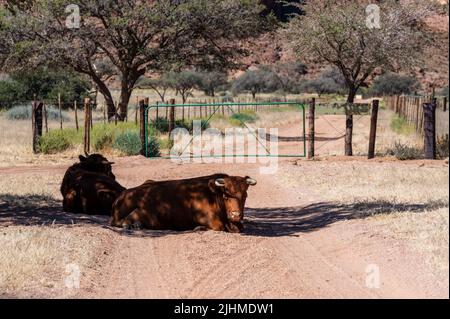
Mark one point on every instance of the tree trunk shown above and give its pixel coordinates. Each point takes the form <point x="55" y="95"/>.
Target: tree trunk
<point x="125" y="95"/>
<point x="349" y="123"/>
<point x="109" y="101"/>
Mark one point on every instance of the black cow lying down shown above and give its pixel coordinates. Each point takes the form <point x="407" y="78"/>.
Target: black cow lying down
<point x="211" y="202"/>
<point x="90" y="187"/>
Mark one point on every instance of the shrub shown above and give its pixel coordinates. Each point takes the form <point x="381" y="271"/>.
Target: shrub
<point x="102" y="136"/>
<point x="238" y="119"/>
<point x="162" y="124"/>
<point x="23" y="112"/>
<point x="153" y="146"/>
<point x="405" y="152"/>
<point x="394" y="84"/>
<point x="329" y="82"/>
<point x="103" y="141"/>
<point x="54" y="142"/>
<point x="442" y="146"/>
<point x="128" y="143"/>
<point x="401" y="126"/>
<point x="10" y="93"/>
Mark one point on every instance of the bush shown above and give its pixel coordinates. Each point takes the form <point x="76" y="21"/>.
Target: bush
<point x="54" y="142"/>
<point x="442" y="146"/>
<point x="128" y="143"/>
<point x="10" y="93"/>
<point x="103" y="141"/>
<point x="153" y="147"/>
<point x="405" y="152"/>
<point x="329" y="82"/>
<point x="23" y="112"/>
<point x="238" y="119"/>
<point x="19" y="113"/>
<point x="400" y="125"/>
<point x="394" y="84"/>
<point x="162" y="124"/>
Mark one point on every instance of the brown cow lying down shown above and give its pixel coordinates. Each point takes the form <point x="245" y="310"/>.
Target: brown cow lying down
<point x="89" y="187"/>
<point x="211" y="202"/>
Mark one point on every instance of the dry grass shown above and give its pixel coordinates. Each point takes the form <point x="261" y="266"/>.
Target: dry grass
<point x="34" y="260"/>
<point x="410" y="201"/>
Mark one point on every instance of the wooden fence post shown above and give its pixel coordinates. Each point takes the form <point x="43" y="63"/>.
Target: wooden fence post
<point x="87" y="125"/>
<point x="429" y="115"/>
<point x="444" y="107"/>
<point x="373" y="128"/>
<point x="60" y="112"/>
<point x="36" y="122"/>
<point x="45" y="118"/>
<point x="136" y="111"/>
<point x="75" y="106"/>
<point x="91" y="121"/>
<point x="142" y="108"/>
<point x="172" y="116"/>
<point x="311" y="135"/>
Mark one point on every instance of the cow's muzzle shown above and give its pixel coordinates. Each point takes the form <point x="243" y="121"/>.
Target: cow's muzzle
<point x="235" y="216"/>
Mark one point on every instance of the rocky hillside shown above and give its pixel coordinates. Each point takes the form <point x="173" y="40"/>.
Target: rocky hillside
<point x="270" y="49"/>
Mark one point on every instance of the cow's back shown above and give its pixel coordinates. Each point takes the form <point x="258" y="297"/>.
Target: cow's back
<point x="174" y="204"/>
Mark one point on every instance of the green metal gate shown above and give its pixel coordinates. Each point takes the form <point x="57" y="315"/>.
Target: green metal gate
<point x="216" y="106"/>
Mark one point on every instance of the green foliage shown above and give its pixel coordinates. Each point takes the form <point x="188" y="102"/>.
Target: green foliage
<point x="444" y="91"/>
<point x="329" y="82"/>
<point x="10" y="93"/>
<point x="153" y="146"/>
<point x="23" y="112"/>
<point x="210" y="82"/>
<point x="262" y="80"/>
<point x="54" y="142"/>
<point x="394" y="84"/>
<point x="246" y="116"/>
<point x="103" y="140"/>
<point x="161" y="124"/>
<point x="128" y="142"/>
<point x="401" y="126"/>
<point x="442" y="147"/>
<point x="45" y="83"/>
<point x="405" y="152"/>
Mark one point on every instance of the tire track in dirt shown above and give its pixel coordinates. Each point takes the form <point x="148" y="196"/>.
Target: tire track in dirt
<point x="262" y="263"/>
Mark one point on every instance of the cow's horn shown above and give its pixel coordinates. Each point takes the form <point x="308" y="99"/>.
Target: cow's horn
<point x="251" y="181"/>
<point x="107" y="162"/>
<point x="220" y="182"/>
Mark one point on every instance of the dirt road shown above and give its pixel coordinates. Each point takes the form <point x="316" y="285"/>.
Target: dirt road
<point x="292" y="247"/>
<point x="295" y="245"/>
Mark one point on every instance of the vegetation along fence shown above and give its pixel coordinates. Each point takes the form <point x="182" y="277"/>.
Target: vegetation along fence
<point x="411" y="108"/>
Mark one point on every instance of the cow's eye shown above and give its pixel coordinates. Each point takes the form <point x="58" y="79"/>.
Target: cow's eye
<point x="225" y="196"/>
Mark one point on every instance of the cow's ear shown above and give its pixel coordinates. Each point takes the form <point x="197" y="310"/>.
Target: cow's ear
<point x="82" y="158"/>
<point x="213" y="186"/>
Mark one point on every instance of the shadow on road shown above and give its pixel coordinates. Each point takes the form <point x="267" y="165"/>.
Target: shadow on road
<point x="286" y="221"/>
<point x="38" y="210"/>
<point x="35" y="210"/>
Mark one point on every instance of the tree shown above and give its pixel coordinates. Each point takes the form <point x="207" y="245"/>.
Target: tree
<point x="160" y="85"/>
<point x="135" y="37"/>
<point x="337" y="33"/>
<point x="184" y="83"/>
<point x="328" y="82"/>
<point x="209" y="82"/>
<point x="256" y="81"/>
<point x="288" y="75"/>
<point x="43" y="83"/>
<point x="394" y="84"/>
